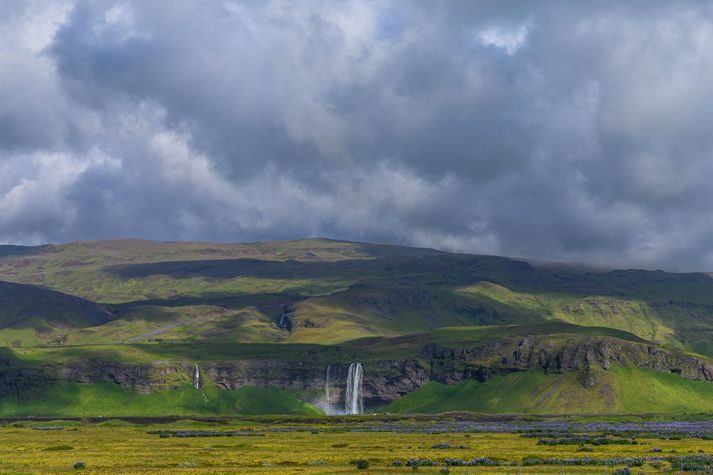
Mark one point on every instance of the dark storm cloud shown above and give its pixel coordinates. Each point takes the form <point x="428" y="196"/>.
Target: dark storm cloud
<point x="553" y="130"/>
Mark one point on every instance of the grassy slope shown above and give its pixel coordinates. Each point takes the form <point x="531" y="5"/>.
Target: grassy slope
<point x="365" y="349"/>
<point x="77" y="400"/>
<point x="340" y="291"/>
<point x="631" y="315"/>
<point x="23" y="306"/>
<point x="619" y="390"/>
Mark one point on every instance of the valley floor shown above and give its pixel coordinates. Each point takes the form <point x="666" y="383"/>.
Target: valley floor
<point x="313" y="445"/>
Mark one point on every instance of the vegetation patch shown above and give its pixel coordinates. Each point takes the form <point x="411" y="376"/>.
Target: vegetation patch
<point x="59" y="448"/>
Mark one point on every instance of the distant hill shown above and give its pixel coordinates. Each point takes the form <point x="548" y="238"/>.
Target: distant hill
<point x="333" y="294"/>
<point x="36" y="308"/>
<point x="332" y="291"/>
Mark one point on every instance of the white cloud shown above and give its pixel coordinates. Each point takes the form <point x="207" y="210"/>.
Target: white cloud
<point x="584" y="137"/>
<point x="509" y="39"/>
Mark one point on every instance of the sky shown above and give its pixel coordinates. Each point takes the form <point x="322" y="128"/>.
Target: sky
<point x="554" y="130"/>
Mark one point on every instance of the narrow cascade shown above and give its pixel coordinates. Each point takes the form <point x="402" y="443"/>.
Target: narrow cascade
<point x="196" y="376"/>
<point x="353" y="403"/>
<point x="327" y="388"/>
<point x="284" y="322"/>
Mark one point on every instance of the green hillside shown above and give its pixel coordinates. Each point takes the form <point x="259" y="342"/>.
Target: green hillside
<point x="30" y="312"/>
<point x="618" y="391"/>
<point x="107" y="399"/>
<point x="321" y="301"/>
<point x="333" y="291"/>
<point x="363" y="349"/>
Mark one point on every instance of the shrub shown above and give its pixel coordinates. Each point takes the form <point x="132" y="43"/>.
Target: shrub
<point x="449" y="446"/>
<point x="622" y="471"/>
<point x="444" y="471"/>
<point x="79" y="465"/>
<point x="362" y="464"/>
<point x="422" y="463"/>
<point x="59" y="447"/>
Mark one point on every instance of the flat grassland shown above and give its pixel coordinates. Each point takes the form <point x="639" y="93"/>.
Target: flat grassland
<point x="318" y="445"/>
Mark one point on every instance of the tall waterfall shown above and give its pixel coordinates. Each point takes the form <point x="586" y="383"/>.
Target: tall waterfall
<point x="196" y="376"/>
<point x="353" y="403"/>
<point x="327" y="386"/>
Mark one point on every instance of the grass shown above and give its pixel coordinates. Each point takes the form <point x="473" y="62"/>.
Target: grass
<point x="65" y="399"/>
<point x="467" y="337"/>
<point x="618" y="390"/>
<point x="132" y="449"/>
<point x="627" y="314"/>
<point x="195" y="351"/>
<point x="364" y="349"/>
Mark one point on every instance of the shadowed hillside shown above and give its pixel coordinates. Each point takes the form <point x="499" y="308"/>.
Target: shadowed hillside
<point x="28" y="306"/>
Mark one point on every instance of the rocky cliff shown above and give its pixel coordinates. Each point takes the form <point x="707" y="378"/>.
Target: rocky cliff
<point x="384" y="380"/>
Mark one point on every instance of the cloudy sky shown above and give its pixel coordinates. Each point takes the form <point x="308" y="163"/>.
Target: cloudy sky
<point x="572" y="131"/>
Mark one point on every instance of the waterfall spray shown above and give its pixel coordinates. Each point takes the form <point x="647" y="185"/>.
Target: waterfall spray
<point x="353" y="403"/>
<point x="196" y="376"/>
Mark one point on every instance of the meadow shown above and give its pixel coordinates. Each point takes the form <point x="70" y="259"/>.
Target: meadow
<point x="319" y="445"/>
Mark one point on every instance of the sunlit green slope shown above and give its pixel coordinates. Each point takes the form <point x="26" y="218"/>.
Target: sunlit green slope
<point x="617" y="391"/>
<point x="65" y="399"/>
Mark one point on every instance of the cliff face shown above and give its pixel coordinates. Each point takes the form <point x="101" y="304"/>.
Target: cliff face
<point x="575" y="354"/>
<point x="384" y="380"/>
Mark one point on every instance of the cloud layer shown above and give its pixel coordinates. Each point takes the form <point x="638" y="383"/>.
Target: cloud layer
<point x="551" y="130"/>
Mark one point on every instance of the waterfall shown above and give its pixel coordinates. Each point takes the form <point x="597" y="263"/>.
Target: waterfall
<point x="197" y="381"/>
<point x="353" y="403"/>
<point x="284" y="322"/>
<point x="196" y="376"/>
<point x="327" y="389"/>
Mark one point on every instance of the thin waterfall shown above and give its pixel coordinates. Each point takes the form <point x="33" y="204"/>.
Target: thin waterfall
<point x="197" y="380"/>
<point x="196" y="376"/>
<point x="353" y="403"/>
<point x="327" y="388"/>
